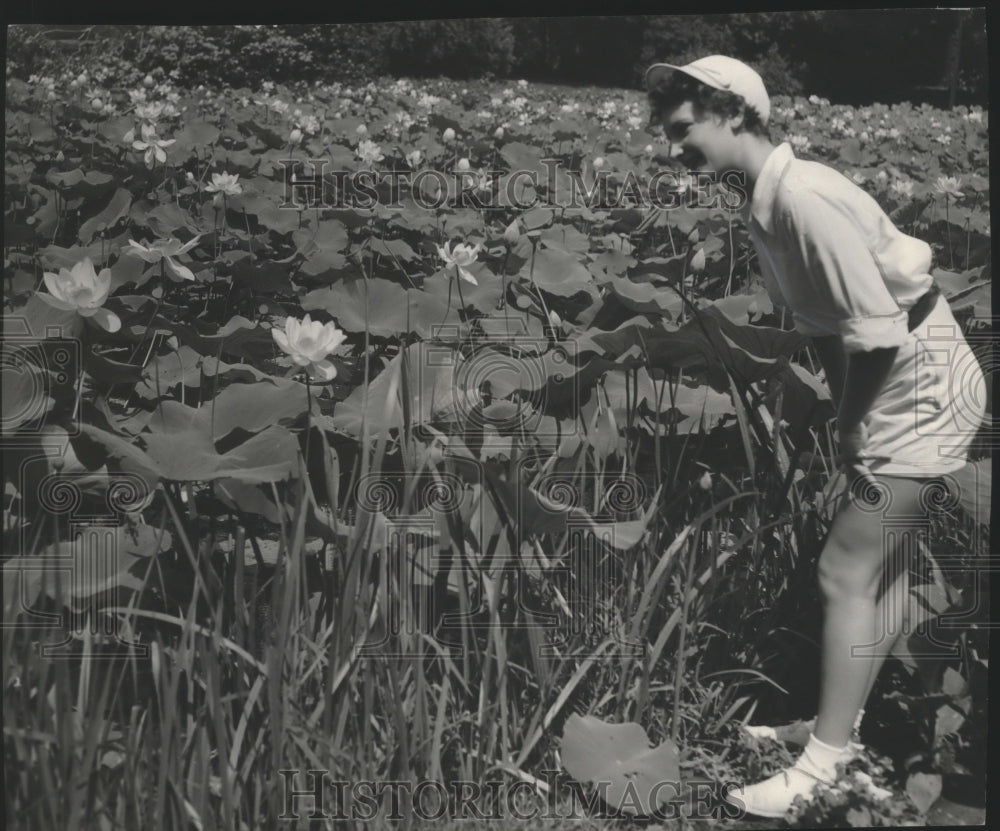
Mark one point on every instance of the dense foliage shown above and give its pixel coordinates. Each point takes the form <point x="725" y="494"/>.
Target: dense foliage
<point x="794" y="51"/>
<point x="311" y="432"/>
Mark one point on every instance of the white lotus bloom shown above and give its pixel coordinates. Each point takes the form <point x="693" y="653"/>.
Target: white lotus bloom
<point x="83" y="290"/>
<point x="166" y="250"/>
<point x="461" y="256"/>
<point x="799" y="142"/>
<point x="902" y="187"/>
<point x="949" y="185"/>
<point x="151" y="145"/>
<point x="308" y="342"/>
<point x="227" y="183"/>
<point x="369" y="152"/>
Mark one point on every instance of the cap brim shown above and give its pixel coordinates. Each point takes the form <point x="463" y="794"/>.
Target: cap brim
<point x="659" y="71"/>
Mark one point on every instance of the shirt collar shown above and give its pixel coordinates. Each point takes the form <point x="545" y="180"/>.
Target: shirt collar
<point x="761" y="204"/>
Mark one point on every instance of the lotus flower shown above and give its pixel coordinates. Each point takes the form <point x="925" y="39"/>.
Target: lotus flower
<point x="166" y="250"/>
<point x="949" y="186"/>
<point x="308" y="342"/>
<point x="369" y="152"/>
<point x="413" y="158"/>
<point x="150" y="112"/>
<point x="224" y="184"/>
<point x="152" y="145"/>
<point x="512" y="233"/>
<point x="227" y="183"/>
<point x="461" y="256"/>
<point x="83" y="290"/>
<point x="902" y="187"/>
<point x="483" y="180"/>
<point x="799" y="142"/>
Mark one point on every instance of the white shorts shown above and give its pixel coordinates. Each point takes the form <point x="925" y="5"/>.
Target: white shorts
<point x="932" y="404"/>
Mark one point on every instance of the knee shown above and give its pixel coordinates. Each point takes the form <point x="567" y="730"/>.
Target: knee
<point x="843" y="575"/>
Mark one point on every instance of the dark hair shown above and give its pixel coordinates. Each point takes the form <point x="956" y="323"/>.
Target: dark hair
<point x="670" y="91"/>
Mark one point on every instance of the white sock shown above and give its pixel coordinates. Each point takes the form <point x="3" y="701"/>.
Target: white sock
<point x="820" y="759"/>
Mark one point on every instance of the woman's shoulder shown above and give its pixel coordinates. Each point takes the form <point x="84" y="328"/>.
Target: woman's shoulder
<point x="808" y="185"/>
<point x="808" y="177"/>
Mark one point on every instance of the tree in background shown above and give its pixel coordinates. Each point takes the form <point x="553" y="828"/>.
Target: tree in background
<point x="468" y="48"/>
<point x="850" y="57"/>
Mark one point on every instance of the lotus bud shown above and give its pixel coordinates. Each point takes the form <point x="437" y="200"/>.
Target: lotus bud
<point x="705" y="482"/>
<point x="698" y="261"/>
<point x="97" y="104"/>
<point x="148" y="81"/>
<point x="361" y="130"/>
<point x="554" y="319"/>
<point x="511" y="233"/>
<point x="295" y="136"/>
<point x="498" y="133"/>
<point x="694" y="236"/>
<point x="598" y="163"/>
<point x="448" y="135"/>
<point x="648" y="149"/>
<point x="463" y="164"/>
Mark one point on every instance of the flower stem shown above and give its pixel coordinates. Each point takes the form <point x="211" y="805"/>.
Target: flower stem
<point x="947" y="219"/>
<point x="732" y="254"/>
<point x="461" y="298"/>
<point x="531" y="278"/>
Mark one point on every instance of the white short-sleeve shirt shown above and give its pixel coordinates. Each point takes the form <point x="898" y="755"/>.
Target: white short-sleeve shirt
<point x="831" y="256"/>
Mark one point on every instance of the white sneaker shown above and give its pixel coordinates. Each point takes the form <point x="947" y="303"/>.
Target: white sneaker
<point x="773" y="797"/>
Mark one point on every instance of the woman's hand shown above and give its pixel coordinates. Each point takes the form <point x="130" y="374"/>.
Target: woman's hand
<point x="852" y="459"/>
<point x="853" y="441"/>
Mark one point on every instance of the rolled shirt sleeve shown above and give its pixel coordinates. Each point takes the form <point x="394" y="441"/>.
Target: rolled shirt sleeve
<point x="842" y="274"/>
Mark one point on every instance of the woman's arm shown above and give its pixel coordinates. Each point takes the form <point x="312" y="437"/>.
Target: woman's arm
<point x="855" y="382"/>
<point x="866" y="375"/>
<point x="830" y="350"/>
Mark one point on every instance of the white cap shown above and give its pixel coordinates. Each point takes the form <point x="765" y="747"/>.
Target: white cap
<point x="722" y="72"/>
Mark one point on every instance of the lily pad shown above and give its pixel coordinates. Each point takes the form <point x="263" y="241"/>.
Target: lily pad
<point x="633" y="776"/>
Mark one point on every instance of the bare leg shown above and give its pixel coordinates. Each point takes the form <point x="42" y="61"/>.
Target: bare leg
<point x="858" y="630"/>
<point x="890" y="614"/>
